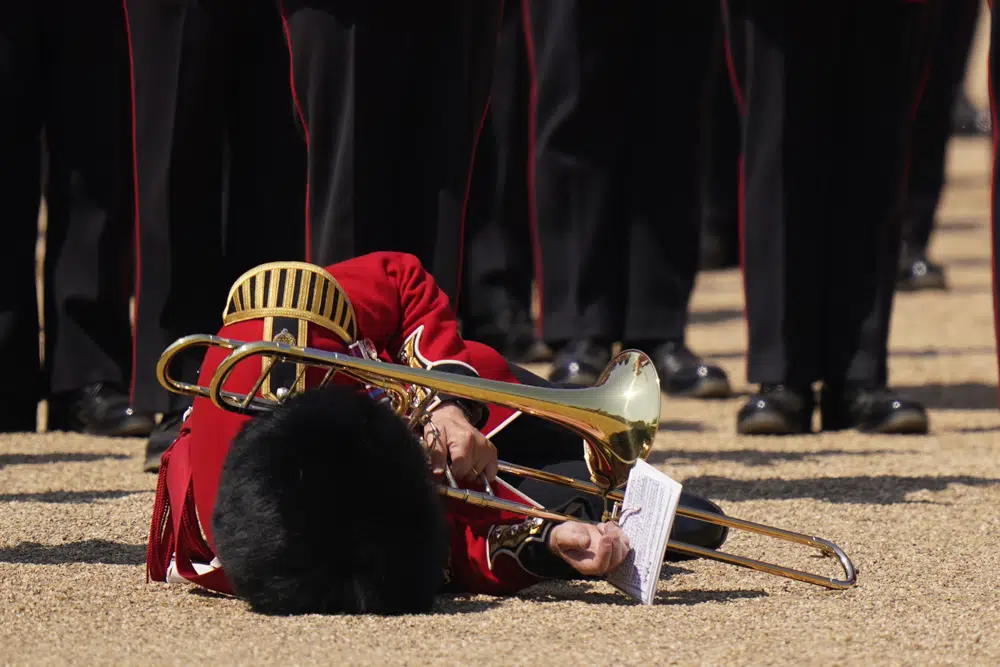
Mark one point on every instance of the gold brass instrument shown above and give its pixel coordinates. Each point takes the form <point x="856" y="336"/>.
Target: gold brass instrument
<point x="617" y="418"/>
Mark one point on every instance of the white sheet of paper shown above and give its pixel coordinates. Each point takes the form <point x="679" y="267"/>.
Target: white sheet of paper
<point x="647" y="515"/>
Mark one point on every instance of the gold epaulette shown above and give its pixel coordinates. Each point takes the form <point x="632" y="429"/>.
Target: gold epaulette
<point x="292" y="289"/>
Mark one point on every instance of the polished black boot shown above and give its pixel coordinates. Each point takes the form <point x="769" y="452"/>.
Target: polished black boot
<point x="685" y="374"/>
<point x="968" y="121"/>
<point x="876" y="410"/>
<point x="777" y="410"/>
<point x="97" y="409"/>
<point x="160" y="440"/>
<point x="917" y="272"/>
<point x="580" y="363"/>
<point x="695" y="532"/>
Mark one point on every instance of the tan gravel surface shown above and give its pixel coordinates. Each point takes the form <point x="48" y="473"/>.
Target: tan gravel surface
<point x="917" y="514"/>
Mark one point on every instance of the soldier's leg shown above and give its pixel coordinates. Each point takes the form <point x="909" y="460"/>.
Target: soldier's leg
<point x="879" y="82"/>
<point x="22" y="101"/>
<point x="180" y="61"/>
<point x="783" y="56"/>
<point x="499" y="244"/>
<point x="580" y="56"/>
<point x="90" y="242"/>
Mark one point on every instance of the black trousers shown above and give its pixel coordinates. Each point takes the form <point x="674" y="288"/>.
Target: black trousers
<point x="220" y="168"/>
<point x="619" y="99"/>
<point x="951" y="44"/>
<point x="827" y="96"/>
<point x="64" y="73"/>
<point x="499" y="235"/>
<point x="721" y="163"/>
<point x="391" y="98"/>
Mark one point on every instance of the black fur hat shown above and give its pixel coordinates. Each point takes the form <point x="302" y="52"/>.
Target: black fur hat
<point x="326" y="505"/>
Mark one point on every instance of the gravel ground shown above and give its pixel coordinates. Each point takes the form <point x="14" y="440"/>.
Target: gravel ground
<point x="914" y="513"/>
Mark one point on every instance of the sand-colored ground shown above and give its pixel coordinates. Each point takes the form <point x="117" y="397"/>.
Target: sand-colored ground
<point x="917" y="514"/>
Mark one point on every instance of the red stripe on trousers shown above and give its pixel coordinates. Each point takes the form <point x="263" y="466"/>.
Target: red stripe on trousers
<point x="135" y="199"/>
<point x="302" y="119"/>
<point x="529" y="49"/>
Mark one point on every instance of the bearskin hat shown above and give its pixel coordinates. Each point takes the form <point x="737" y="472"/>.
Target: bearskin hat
<point x="326" y="505"/>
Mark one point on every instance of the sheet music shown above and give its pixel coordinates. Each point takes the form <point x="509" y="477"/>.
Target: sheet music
<point x="647" y="515"/>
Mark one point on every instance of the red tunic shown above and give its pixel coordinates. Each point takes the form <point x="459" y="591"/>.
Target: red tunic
<point x="397" y="305"/>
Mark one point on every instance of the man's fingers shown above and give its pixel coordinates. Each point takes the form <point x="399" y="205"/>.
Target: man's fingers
<point x="438" y="451"/>
<point x="603" y="553"/>
<point x="462" y="459"/>
<point x="485" y="456"/>
<point x="616" y="531"/>
<point x="491" y="470"/>
<point x="572" y="540"/>
<point x="619" y="553"/>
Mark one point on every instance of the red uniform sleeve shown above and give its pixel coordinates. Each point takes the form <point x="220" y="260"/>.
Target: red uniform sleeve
<point x="470" y="568"/>
<point x="400" y="307"/>
<point x="499" y="552"/>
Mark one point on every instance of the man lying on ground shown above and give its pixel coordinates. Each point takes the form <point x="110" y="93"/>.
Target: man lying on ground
<point x="321" y="505"/>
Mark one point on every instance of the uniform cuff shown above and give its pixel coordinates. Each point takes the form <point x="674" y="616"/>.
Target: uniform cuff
<point x="477" y="413"/>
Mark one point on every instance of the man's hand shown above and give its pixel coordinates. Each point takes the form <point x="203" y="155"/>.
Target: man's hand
<point x="471" y="453"/>
<point x="593" y="550"/>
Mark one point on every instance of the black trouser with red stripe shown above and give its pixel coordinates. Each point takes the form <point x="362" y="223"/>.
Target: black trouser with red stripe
<point x="618" y="110"/>
<point x="391" y="97"/>
<point x="827" y="93"/>
<point x="64" y="72"/>
<point x="721" y="172"/>
<point x="220" y="168"/>
<point x="498" y="267"/>
<point x="952" y="38"/>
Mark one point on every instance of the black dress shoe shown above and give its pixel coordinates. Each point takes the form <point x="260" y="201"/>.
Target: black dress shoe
<point x="968" y="121"/>
<point x="693" y="531"/>
<point x="160" y="440"/>
<point x="683" y="373"/>
<point x="97" y="409"/>
<point x="580" y="363"/>
<point x="916" y="272"/>
<point x="878" y="410"/>
<point x="777" y="410"/>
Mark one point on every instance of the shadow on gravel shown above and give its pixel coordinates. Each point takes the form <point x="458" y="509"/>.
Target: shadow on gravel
<point x="962" y="396"/>
<point x="716" y="316"/>
<point x="681" y="598"/>
<point x="87" y="551"/>
<point x="873" y="490"/>
<point x="681" y="425"/>
<point x="69" y="497"/>
<point x="961" y="224"/>
<point x="57" y="457"/>
<point x="447" y="605"/>
<point x="756" y="457"/>
<point x="926" y="353"/>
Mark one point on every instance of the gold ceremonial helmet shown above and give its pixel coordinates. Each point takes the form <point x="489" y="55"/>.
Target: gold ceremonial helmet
<point x="294" y="290"/>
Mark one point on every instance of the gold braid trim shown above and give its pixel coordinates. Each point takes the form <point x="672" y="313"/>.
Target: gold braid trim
<point x="510" y="539"/>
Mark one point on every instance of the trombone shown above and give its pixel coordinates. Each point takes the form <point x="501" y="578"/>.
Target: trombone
<point x="617" y="418"/>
